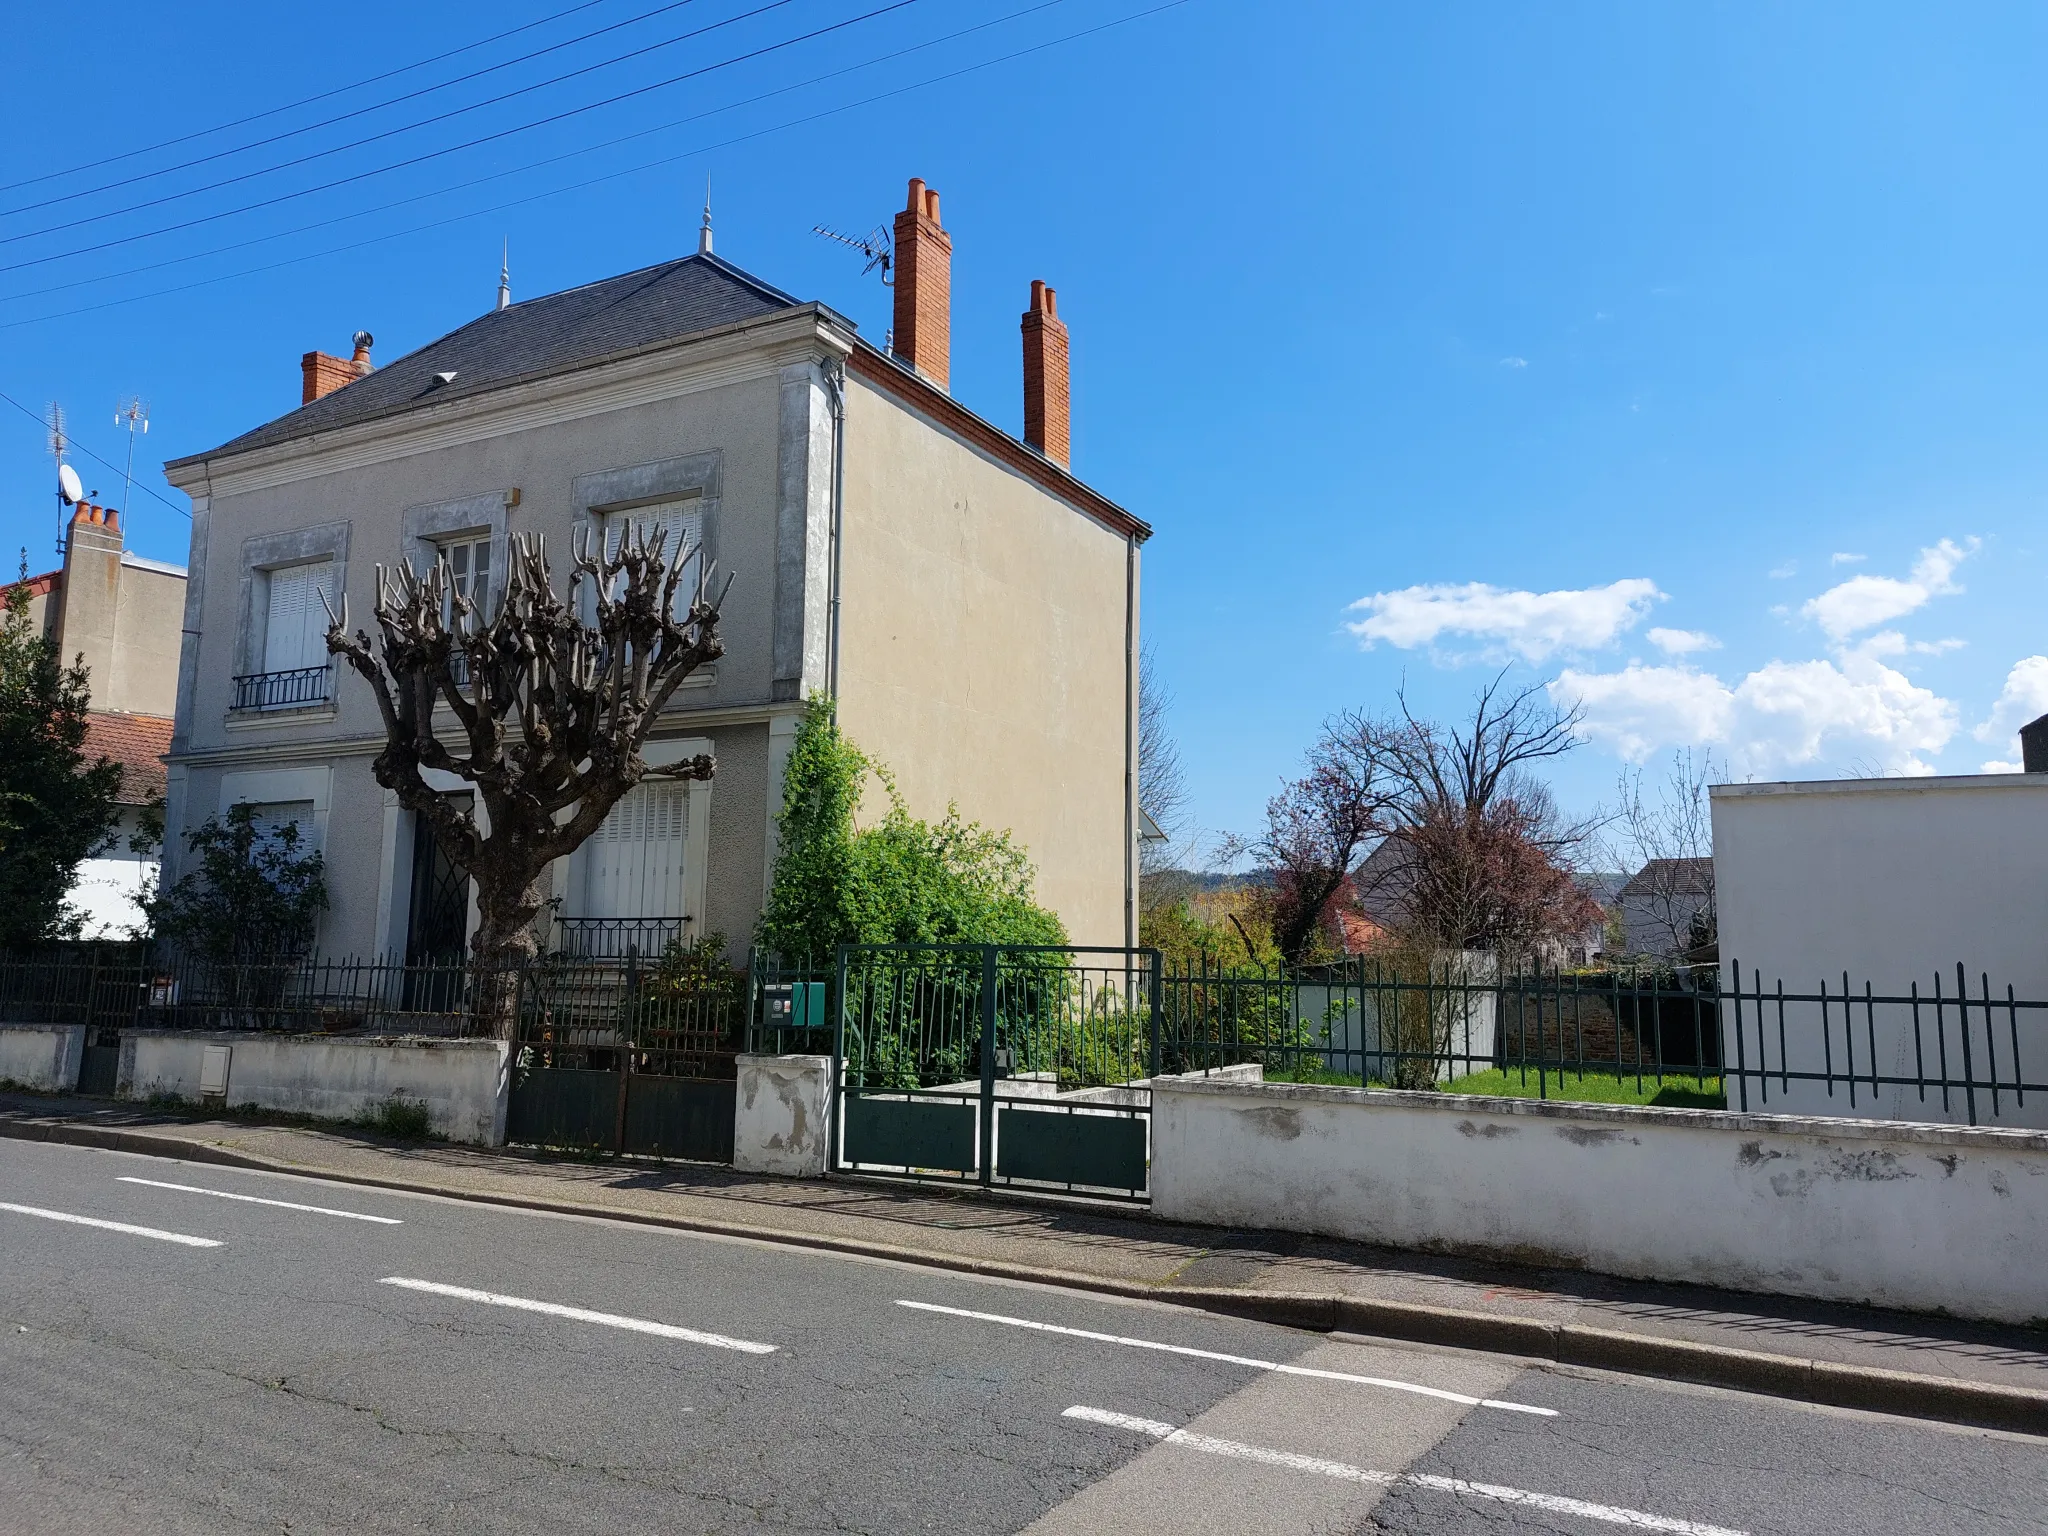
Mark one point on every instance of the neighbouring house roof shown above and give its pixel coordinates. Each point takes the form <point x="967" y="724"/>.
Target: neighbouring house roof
<point x="1604" y="886"/>
<point x="138" y="743"/>
<point x="43" y="585"/>
<point x="1675" y="877"/>
<point x="539" y="336"/>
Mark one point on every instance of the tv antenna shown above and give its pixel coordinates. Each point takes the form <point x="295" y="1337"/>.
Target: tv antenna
<point x="874" y="245"/>
<point x="131" y="413"/>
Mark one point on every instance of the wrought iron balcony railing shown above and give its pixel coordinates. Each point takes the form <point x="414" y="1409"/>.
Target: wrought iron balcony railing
<point x="284" y="690"/>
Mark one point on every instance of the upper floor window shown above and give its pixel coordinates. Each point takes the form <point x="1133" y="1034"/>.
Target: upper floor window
<point x="469" y="566"/>
<point x="683" y="523"/>
<point x="292" y="669"/>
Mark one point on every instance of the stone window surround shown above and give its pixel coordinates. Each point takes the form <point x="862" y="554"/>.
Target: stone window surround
<point x="266" y="552"/>
<point x="427" y="525"/>
<point x="282" y="786"/>
<point x="596" y="495"/>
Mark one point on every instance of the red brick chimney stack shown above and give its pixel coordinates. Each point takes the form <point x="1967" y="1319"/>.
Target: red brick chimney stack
<point x="322" y="373"/>
<point x="924" y="286"/>
<point x="1046" y="404"/>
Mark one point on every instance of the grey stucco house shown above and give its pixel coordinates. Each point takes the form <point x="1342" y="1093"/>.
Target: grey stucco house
<point x="973" y="606"/>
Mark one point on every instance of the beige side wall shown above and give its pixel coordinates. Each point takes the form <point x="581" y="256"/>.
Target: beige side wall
<point x="983" y="652"/>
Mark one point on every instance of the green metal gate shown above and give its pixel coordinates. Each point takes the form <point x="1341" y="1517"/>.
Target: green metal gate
<point x="1019" y="1065"/>
<point x="612" y="1059"/>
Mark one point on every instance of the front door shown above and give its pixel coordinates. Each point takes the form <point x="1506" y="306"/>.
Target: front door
<point x="437" y="926"/>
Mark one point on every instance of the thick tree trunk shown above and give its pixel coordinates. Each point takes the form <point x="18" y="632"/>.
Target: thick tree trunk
<point x="505" y="945"/>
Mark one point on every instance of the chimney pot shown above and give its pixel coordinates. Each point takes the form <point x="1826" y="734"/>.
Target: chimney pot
<point x="1047" y="406"/>
<point x="924" y="286"/>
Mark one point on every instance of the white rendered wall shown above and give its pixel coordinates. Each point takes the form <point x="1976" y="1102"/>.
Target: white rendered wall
<point x="1893" y="881"/>
<point x="783" y="1112"/>
<point x="463" y="1083"/>
<point x="1919" y="1217"/>
<point x="42" y="1056"/>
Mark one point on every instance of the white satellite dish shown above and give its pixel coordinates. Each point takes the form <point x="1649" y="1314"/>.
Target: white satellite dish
<point x="69" y="486"/>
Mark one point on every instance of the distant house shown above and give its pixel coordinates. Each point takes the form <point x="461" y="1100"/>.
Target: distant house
<point x="1668" y="910"/>
<point x="120" y="615"/>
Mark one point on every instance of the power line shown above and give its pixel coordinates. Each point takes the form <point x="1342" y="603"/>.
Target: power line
<point x="292" y="106"/>
<point x="73" y="442"/>
<point x="375" y="106"/>
<point x="425" y="122"/>
<point x="286" y="197"/>
<point x="531" y="165"/>
<point x="703" y="149"/>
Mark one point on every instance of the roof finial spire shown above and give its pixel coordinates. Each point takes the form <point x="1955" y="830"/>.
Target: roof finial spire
<point x="505" y="277"/>
<point x="704" y="233"/>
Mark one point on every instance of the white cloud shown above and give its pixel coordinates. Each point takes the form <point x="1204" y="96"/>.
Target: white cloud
<point x="1997" y="765"/>
<point x="1839" y="558"/>
<point x="2024" y="697"/>
<point x="1862" y="602"/>
<point x="1782" y="714"/>
<point x="1784" y="572"/>
<point x="1514" y="362"/>
<point x="1682" y="642"/>
<point x="1531" y="625"/>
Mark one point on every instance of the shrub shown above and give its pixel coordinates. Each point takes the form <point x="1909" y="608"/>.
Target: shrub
<point x="252" y="899"/>
<point x="401" y="1118"/>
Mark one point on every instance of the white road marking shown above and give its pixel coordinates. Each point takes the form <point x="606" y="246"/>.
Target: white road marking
<point x="1209" y="1354"/>
<point x="1550" y="1503"/>
<point x="109" y="1226"/>
<point x="289" y="1205"/>
<point x="582" y="1315"/>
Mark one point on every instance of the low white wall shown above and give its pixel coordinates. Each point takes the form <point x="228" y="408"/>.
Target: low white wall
<point x="782" y="1115"/>
<point x="1913" y="1216"/>
<point x="463" y="1083"/>
<point x="42" y="1056"/>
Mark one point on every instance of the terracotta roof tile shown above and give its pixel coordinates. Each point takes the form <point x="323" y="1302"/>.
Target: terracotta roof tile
<point x="138" y="743"/>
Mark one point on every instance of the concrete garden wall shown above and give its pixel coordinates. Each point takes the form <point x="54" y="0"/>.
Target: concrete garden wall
<point x="42" y="1056"/>
<point x="462" y="1083"/>
<point x="1916" y="1216"/>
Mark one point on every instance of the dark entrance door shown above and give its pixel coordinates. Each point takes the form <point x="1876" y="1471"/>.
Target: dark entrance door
<point x="437" y="922"/>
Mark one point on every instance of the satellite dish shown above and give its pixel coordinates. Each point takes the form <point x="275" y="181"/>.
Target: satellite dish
<point x="69" y="486"/>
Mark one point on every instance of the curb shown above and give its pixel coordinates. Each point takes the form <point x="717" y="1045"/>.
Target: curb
<point x="1873" y="1389"/>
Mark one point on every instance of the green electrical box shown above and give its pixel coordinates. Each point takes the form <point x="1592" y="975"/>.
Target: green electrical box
<point x="799" y="1005"/>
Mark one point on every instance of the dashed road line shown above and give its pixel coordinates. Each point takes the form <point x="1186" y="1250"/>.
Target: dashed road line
<point x="581" y="1315"/>
<point x="110" y="1226"/>
<point x="288" y="1205"/>
<point x="1387" y="1382"/>
<point x="1549" y="1503"/>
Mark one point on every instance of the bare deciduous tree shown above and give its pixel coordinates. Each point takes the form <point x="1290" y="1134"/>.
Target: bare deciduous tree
<point x="1319" y="829"/>
<point x="1476" y="853"/>
<point x="552" y="711"/>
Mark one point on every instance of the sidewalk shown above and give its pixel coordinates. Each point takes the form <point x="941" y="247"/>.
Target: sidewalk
<point x="1854" y="1357"/>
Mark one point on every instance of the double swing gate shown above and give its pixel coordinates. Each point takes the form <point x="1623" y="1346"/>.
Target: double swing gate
<point x="997" y="1065"/>
<point x="611" y="1060"/>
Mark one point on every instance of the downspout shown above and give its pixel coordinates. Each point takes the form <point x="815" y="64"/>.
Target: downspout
<point x="1130" y="742"/>
<point x="835" y="394"/>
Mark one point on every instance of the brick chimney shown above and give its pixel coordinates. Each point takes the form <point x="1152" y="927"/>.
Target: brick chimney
<point x="323" y="373"/>
<point x="924" y="286"/>
<point x="1045" y="377"/>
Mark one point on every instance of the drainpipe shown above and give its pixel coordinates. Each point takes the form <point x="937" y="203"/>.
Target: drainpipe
<point x="835" y="394"/>
<point x="1130" y="742"/>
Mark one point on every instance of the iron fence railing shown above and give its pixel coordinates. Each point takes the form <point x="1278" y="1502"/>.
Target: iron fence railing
<point x="284" y="690"/>
<point x="618" y="938"/>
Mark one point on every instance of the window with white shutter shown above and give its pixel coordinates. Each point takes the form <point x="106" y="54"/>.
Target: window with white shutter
<point x="682" y="521"/>
<point x="267" y="824"/>
<point x="295" y="633"/>
<point x="633" y="863"/>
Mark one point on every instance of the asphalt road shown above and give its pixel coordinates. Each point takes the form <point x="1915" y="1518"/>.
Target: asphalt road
<point x="282" y="1379"/>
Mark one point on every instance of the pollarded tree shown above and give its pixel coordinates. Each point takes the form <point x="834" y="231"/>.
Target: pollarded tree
<point x="552" y="708"/>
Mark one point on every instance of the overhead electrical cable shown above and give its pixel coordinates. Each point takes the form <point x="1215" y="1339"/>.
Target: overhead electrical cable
<point x="667" y="160"/>
<point x="375" y="106"/>
<point x="293" y="106"/>
<point x="390" y="133"/>
<point x="533" y="165"/>
<point x="420" y="159"/>
<point x="72" y="442"/>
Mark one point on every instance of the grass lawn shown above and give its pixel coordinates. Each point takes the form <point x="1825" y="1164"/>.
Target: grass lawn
<point x="1514" y="1083"/>
<point x="1595" y="1088"/>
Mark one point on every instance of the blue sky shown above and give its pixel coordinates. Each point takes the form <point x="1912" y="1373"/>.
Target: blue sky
<point x="1691" y="359"/>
